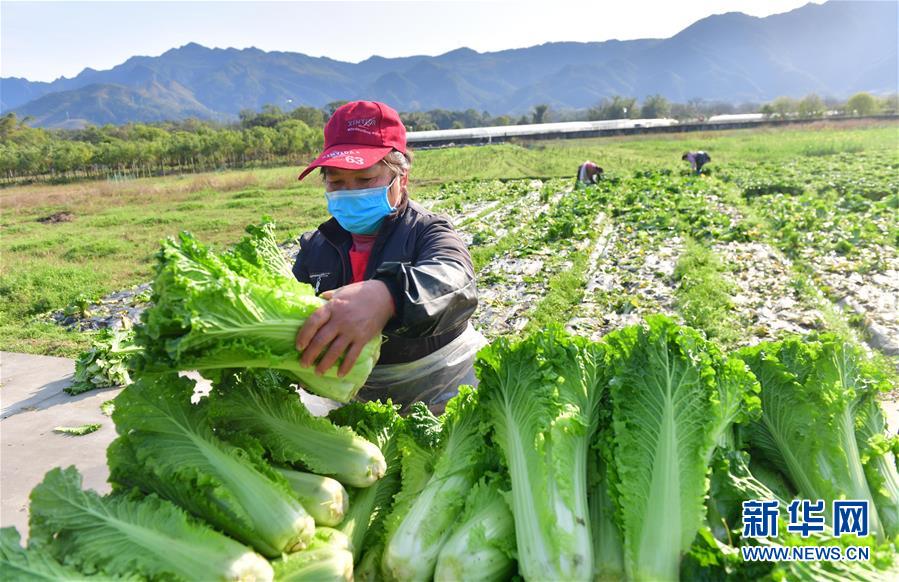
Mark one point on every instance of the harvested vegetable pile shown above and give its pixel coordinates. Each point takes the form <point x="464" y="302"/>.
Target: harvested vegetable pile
<point x="211" y="312"/>
<point x="627" y="458"/>
<point x="105" y="363"/>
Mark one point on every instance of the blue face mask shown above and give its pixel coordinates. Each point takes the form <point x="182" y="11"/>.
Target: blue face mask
<point x="360" y="211"/>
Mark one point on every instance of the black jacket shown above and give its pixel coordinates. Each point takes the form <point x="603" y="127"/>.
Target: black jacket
<point x="424" y="264"/>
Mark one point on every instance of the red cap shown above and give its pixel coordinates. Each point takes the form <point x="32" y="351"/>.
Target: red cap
<point x="359" y="135"/>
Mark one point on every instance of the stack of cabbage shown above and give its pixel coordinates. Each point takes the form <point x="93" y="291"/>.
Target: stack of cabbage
<point x="624" y="459"/>
<point x="216" y="489"/>
<point x="240" y="309"/>
<point x="630" y="458"/>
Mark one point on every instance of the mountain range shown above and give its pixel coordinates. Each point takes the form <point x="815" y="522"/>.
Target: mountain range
<point x="832" y="49"/>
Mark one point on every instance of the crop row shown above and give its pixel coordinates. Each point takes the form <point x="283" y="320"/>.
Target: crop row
<point x="690" y="247"/>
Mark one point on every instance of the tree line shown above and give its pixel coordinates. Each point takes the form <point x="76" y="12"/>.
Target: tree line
<point x="273" y="136"/>
<point x="809" y="107"/>
<point x="139" y="149"/>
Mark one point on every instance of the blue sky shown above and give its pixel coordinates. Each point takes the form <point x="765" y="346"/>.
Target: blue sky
<point x="44" y="40"/>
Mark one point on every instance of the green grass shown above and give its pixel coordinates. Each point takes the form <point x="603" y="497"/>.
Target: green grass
<point x="703" y="295"/>
<point x="48" y="266"/>
<point x="116" y="227"/>
<point x="564" y="292"/>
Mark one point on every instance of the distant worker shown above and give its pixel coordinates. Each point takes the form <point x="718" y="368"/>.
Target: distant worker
<point x="697" y="160"/>
<point x="588" y="174"/>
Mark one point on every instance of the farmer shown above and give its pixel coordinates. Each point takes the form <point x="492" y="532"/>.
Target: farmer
<point x="388" y="266"/>
<point x="587" y="174"/>
<point x="697" y="160"/>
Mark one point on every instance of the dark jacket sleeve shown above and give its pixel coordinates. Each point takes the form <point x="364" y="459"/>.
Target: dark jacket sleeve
<point x="437" y="292"/>
<point x="300" y="270"/>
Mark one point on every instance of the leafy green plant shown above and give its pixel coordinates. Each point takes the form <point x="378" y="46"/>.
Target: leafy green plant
<point x="262" y="406"/>
<point x="674" y="396"/>
<point x="239" y="311"/>
<point x="482" y="545"/>
<point x="167" y="446"/>
<point x="124" y="535"/>
<point x="704" y="294"/>
<point x="540" y="395"/>
<point x="105" y="364"/>
<point x="812" y="394"/>
<point x="80" y="430"/>
<point x="418" y="528"/>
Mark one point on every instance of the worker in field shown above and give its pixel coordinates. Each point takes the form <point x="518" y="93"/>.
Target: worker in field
<point x="588" y="174"/>
<point x="388" y="266"/>
<point x="697" y="160"/>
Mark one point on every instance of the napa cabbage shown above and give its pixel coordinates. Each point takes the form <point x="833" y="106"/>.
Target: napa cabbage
<point x="167" y="446"/>
<point x="418" y="527"/>
<point x="812" y="392"/>
<point x="541" y="395"/>
<point x="380" y="424"/>
<point x="207" y="316"/>
<point x="674" y="397"/>
<point x="324" y="498"/>
<point x="261" y="405"/>
<point x="482" y="546"/>
<point x="329" y="558"/>
<point x="122" y="535"/>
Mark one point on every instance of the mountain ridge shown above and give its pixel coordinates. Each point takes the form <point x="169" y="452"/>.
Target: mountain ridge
<point x="833" y="49"/>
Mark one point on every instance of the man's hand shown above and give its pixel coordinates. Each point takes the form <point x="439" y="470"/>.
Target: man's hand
<point x="350" y="319"/>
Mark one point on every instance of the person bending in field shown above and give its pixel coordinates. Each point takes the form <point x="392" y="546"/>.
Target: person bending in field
<point x="387" y="266"/>
<point x="588" y="174"/>
<point x="697" y="160"/>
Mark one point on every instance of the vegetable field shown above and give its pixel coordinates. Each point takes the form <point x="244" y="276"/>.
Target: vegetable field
<point x="745" y="254"/>
<point x="635" y="455"/>
<point x="667" y="351"/>
<point x="795" y="195"/>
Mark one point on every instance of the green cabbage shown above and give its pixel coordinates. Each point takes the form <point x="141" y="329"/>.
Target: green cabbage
<point x="258" y="255"/>
<point x="206" y="316"/>
<point x="419" y="526"/>
<point x="733" y="482"/>
<point x="811" y="394"/>
<point x="123" y="535"/>
<point x="410" y="447"/>
<point x="33" y="564"/>
<point x="380" y="424"/>
<point x="608" y="549"/>
<point x="324" y="498"/>
<point x="368" y="567"/>
<point x="674" y="397"/>
<point x="167" y="447"/>
<point x="541" y="396"/>
<point x="482" y="547"/>
<point x="104" y="364"/>
<point x="327" y="559"/>
<point x="878" y="456"/>
<point x="262" y="406"/>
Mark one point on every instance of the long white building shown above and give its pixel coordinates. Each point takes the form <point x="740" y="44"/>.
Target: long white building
<point x="544" y="130"/>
